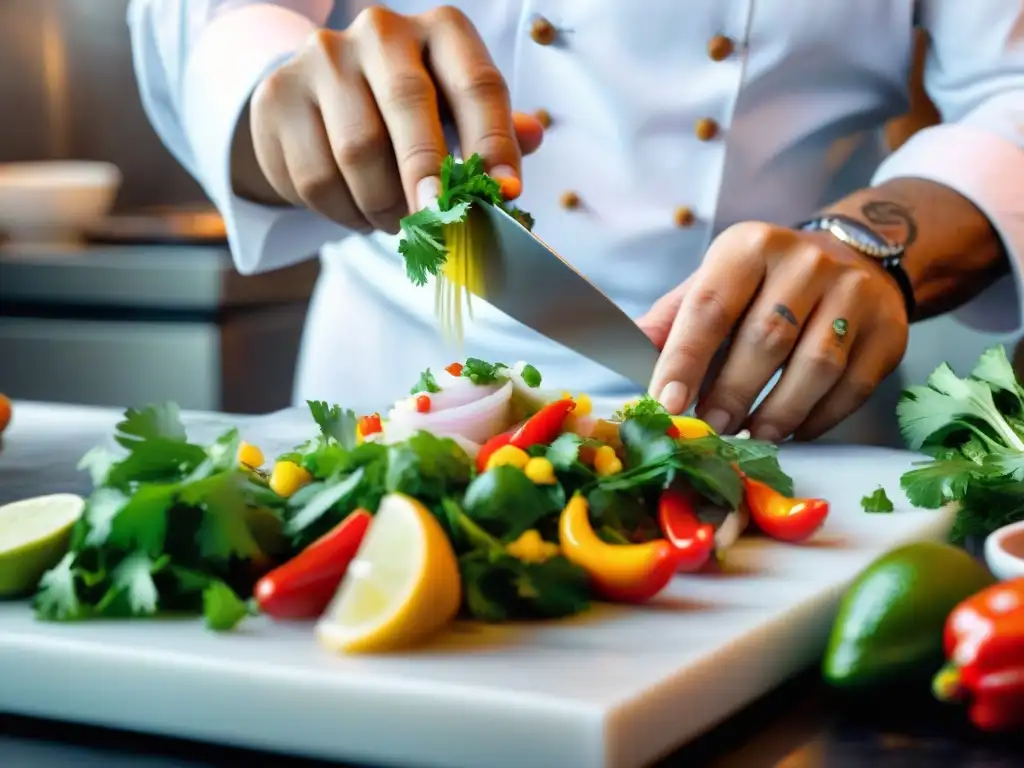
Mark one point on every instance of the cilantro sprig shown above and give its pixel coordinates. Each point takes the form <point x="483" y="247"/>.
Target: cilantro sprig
<point x="168" y="528"/>
<point x="463" y="183"/>
<point x="973" y="430"/>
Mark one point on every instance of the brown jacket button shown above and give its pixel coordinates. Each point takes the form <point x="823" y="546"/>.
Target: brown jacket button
<point x="683" y="216"/>
<point x="543" y="31"/>
<point x="543" y="117"/>
<point x="706" y="129"/>
<point x="720" y="48"/>
<point x="569" y="200"/>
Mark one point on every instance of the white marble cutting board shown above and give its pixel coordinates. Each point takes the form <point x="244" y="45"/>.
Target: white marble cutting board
<point x="615" y="688"/>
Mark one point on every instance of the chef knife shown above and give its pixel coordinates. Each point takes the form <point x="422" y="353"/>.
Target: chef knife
<point x="531" y="283"/>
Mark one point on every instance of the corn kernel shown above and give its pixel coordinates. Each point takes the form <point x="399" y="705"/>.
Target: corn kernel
<point x="359" y="436"/>
<point x="606" y="462"/>
<point x="249" y="455"/>
<point x="287" y="477"/>
<point x="584" y="405"/>
<point x="508" y="456"/>
<point x="691" y="428"/>
<point x="540" y="471"/>
<point x="566" y="395"/>
<point x="531" y="548"/>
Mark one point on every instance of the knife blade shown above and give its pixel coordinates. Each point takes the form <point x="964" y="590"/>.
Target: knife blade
<point x="528" y="281"/>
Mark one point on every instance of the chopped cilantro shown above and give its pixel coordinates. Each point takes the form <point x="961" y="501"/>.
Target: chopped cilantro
<point x="530" y="376"/>
<point x="334" y="423"/>
<point x="463" y="183"/>
<point x="645" y="406"/>
<point x="426" y="383"/>
<point x="877" y="502"/>
<point x="481" y="372"/>
<point x="222" y="608"/>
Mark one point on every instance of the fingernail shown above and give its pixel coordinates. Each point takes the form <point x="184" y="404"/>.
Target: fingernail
<point x="767" y="433"/>
<point x="511" y="186"/>
<point x="427" y="191"/>
<point x="717" y="419"/>
<point x="674" y="397"/>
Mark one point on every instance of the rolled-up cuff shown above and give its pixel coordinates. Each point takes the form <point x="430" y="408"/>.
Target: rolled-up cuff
<point x="232" y="55"/>
<point x="988" y="170"/>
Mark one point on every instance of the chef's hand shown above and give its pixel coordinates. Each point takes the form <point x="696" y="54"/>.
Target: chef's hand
<point x="350" y="127"/>
<point x="802" y="301"/>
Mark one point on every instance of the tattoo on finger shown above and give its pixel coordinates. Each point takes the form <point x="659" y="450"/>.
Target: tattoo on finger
<point x="786" y="314"/>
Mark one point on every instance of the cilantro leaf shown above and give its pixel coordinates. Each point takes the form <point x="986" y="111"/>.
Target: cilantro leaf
<point x="499" y="587"/>
<point x="645" y="406"/>
<point x="426" y="383"/>
<point x="995" y="369"/>
<point x="223" y="609"/>
<point x="531" y="376"/>
<point x="427" y="467"/>
<point x="57" y="598"/>
<point x="224" y="528"/>
<point x="481" y="372"/>
<point x="328" y="496"/>
<point x="422" y="244"/>
<point x="877" y="502"/>
<point x="335" y="423"/>
<point x="936" y="483"/>
<point x="133" y="585"/>
<point x="759" y="461"/>
<point x="150" y="423"/>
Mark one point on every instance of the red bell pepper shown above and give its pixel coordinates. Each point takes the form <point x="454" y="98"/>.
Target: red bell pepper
<point x="984" y="641"/>
<point x="544" y="426"/>
<point x="680" y="524"/>
<point x="303" y="587"/>
<point x="781" y="517"/>
<point x="369" y="425"/>
<point x="488" y="448"/>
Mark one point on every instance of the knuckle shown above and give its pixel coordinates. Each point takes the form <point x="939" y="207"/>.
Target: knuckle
<point x="314" y="186"/>
<point x="732" y="400"/>
<point x="857" y="282"/>
<point x="449" y="15"/>
<point x="773" y="335"/>
<point x="758" y="236"/>
<point x="710" y="311"/>
<point x="359" y="146"/>
<point x="483" y="83"/>
<point x="421" y="158"/>
<point x="814" y="258"/>
<point x="409" y="90"/>
<point x="374" y="19"/>
<point x="826" y="362"/>
<point x="324" y="42"/>
<point x="272" y="91"/>
<point x="495" y="144"/>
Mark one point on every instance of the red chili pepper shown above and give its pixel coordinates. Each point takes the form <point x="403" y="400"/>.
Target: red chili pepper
<point x="488" y="448"/>
<point x="423" y="404"/>
<point x="780" y="517"/>
<point x="369" y="425"/>
<point x="303" y="587"/>
<point x="544" y="426"/>
<point x="984" y="641"/>
<point x="455" y="369"/>
<point x="681" y="526"/>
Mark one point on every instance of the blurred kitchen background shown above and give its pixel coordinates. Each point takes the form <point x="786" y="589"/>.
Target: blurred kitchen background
<point x="150" y="308"/>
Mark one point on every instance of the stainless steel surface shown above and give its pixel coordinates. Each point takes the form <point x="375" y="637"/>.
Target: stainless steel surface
<point x="533" y="284"/>
<point x="194" y="278"/>
<point x="67" y="91"/>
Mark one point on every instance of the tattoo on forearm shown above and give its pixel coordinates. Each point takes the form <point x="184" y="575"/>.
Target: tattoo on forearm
<point x="895" y="221"/>
<point x="786" y="314"/>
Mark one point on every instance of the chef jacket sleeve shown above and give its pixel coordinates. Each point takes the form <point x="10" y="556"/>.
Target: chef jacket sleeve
<point x="196" y="63"/>
<point x="974" y="74"/>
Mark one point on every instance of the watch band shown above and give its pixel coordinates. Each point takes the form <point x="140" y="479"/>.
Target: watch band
<point x="888" y="255"/>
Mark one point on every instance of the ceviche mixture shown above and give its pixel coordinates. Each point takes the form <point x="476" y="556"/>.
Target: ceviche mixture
<point x="480" y="494"/>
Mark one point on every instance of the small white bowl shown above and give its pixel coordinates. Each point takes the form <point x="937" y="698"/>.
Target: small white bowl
<point x="55" y="201"/>
<point x="1004" y="551"/>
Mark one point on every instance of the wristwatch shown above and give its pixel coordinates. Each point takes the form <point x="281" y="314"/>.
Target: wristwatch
<point x="867" y="242"/>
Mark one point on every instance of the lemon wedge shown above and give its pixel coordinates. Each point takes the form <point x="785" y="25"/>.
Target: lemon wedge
<point x="34" y="536"/>
<point x="402" y="586"/>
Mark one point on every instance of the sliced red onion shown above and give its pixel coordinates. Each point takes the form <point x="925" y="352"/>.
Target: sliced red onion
<point x="476" y="421"/>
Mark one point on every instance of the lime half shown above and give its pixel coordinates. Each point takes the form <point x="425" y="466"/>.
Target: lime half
<point x="34" y="536"/>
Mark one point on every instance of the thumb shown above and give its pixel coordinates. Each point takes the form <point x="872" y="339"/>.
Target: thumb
<point x="657" y="322"/>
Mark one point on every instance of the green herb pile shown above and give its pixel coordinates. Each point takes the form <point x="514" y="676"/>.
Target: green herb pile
<point x="973" y="428"/>
<point x="177" y="527"/>
<point x="462" y="184"/>
<point x="171" y="526"/>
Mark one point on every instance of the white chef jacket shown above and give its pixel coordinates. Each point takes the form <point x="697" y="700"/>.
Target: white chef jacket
<point x="796" y="105"/>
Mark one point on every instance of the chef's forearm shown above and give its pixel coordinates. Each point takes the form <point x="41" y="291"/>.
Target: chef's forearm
<point x="952" y="251"/>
